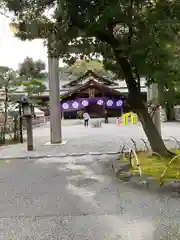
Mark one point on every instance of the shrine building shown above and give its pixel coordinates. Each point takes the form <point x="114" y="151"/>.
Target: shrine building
<point x="93" y="94"/>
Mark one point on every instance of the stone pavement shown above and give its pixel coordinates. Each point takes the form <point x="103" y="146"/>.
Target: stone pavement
<point x="78" y="199"/>
<point x="81" y="140"/>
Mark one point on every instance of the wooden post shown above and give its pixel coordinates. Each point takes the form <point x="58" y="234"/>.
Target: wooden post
<point x="29" y="134"/>
<point x="20" y="124"/>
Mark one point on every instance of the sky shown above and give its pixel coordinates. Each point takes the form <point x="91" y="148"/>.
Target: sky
<point x="13" y="51"/>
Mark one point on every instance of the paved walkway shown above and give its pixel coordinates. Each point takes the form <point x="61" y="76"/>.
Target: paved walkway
<point x="79" y="139"/>
<point x="80" y="200"/>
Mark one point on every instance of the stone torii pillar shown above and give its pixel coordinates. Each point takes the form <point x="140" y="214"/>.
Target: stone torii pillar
<point x="54" y="101"/>
<point x="54" y="90"/>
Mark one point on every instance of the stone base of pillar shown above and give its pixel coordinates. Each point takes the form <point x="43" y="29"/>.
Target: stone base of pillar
<point x="55" y="144"/>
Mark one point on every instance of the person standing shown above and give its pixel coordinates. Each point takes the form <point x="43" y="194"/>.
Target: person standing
<point x="86" y="119"/>
<point x="106" y="116"/>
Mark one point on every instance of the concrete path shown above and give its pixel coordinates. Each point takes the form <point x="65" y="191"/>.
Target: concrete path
<point x="80" y="199"/>
<point x="79" y="139"/>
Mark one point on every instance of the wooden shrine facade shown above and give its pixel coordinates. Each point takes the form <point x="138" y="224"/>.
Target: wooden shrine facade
<point x="95" y="95"/>
<point x="88" y="86"/>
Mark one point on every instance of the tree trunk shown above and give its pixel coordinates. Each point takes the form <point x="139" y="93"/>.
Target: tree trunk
<point x="167" y="101"/>
<point x="5" y="114"/>
<point x="154" y="138"/>
<point x="138" y="106"/>
<point x="15" y="129"/>
<point x="170" y="112"/>
<point x="170" y="104"/>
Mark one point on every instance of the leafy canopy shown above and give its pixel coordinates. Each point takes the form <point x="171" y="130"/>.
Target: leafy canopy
<point x="80" y="67"/>
<point x="32" y="69"/>
<point x="32" y="75"/>
<point x="138" y="31"/>
<point x="34" y="86"/>
<point x="9" y="82"/>
<point x="8" y="78"/>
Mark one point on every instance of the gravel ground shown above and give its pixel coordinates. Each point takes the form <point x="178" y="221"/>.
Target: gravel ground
<point x="79" y="139"/>
<point x="79" y="198"/>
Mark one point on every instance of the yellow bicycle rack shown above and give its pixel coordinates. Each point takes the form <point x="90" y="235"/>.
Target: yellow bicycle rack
<point x="129" y="118"/>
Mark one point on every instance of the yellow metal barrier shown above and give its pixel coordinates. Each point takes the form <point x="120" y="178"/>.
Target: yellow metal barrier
<point x="13" y="29"/>
<point x="125" y="119"/>
<point x="126" y="116"/>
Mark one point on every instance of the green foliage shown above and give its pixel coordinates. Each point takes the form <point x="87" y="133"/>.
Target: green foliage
<point x="34" y="86"/>
<point x="80" y="67"/>
<point x="8" y="79"/>
<point x="32" y="75"/>
<point x="32" y="69"/>
<point x="65" y="74"/>
<point x="8" y="83"/>
<point x="142" y="33"/>
<point x="140" y="30"/>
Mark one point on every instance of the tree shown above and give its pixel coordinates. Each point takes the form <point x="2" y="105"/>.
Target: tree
<point x="132" y="37"/>
<point x="8" y="83"/>
<point x="169" y="82"/>
<point x="138" y="41"/>
<point x="32" y="75"/>
<point x="65" y="74"/>
<point x="81" y="66"/>
<point x="32" y="69"/>
<point x="34" y="86"/>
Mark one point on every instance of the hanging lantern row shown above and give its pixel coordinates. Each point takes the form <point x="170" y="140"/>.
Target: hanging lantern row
<point x="85" y="103"/>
